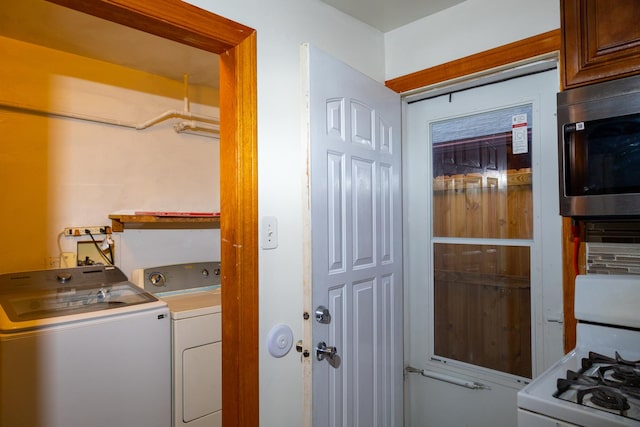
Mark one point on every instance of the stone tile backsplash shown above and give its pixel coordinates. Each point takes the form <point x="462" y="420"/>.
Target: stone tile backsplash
<point x="613" y="258"/>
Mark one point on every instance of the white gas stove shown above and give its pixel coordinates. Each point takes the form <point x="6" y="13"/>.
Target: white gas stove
<point x="598" y="383"/>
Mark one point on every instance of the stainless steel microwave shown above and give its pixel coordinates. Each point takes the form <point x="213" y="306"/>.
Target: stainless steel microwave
<point x="599" y="149"/>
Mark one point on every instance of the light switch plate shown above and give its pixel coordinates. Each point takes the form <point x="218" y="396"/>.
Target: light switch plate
<point x="269" y="232"/>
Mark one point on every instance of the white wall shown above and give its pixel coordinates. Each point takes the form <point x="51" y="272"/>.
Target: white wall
<point x="282" y="26"/>
<point x="469" y="27"/>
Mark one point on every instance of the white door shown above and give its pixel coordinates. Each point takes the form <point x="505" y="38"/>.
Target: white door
<point x="356" y="245"/>
<point x="482" y="249"/>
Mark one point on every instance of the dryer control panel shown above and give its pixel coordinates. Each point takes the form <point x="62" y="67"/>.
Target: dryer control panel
<point x="178" y="277"/>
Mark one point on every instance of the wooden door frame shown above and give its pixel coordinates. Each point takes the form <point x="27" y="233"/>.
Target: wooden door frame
<point x="236" y="45"/>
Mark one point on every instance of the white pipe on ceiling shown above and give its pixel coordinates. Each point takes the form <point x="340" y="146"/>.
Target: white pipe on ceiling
<point x="138" y="126"/>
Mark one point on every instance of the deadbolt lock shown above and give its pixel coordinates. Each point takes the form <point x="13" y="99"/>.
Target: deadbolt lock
<point x="323" y="315"/>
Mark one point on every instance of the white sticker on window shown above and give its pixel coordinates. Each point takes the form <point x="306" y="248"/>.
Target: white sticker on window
<point x="519" y="140"/>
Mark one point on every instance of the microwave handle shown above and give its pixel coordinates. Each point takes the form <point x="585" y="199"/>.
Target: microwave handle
<point x="567" y="154"/>
<point x="567" y="130"/>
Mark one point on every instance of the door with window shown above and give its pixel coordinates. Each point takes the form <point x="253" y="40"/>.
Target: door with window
<point x="482" y="249"/>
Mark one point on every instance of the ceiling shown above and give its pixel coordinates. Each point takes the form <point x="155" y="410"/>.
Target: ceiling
<point x="387" y="15"/>
<point x="46" y="24"/>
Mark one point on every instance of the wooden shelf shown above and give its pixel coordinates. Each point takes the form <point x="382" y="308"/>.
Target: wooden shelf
<point x="120" y="222"/>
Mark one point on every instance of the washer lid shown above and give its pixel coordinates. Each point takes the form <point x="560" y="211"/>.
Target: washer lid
<point x="34" y="299"/>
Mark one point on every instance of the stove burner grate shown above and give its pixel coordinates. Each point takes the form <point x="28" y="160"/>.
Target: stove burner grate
<point x="596" y="358"/>
<point x="604" y="383"/>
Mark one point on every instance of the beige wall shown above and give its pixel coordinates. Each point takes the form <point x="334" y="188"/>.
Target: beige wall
<point x="59" y="172"/>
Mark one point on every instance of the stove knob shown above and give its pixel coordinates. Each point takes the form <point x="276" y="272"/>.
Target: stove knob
<point x="157" y="279"/>
<point x="205" y="272"/>
<point x="64" y="277"/>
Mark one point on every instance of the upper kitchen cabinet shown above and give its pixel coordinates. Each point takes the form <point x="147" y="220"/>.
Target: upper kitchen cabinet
<point x="600" y="40"/>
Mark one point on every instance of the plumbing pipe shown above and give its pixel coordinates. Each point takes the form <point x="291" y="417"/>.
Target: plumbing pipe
<point x="186" y="93"/>
<point x="179" y="115"/>
<point x="64" y="114"/>
<point x="164" y="116"/>
<point x="184" y="125"/>
<point x="202" y="133"/>
<point x="190" y="127"/>
<point x="191" y="124"/>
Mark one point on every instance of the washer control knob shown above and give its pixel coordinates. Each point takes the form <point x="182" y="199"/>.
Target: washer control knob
<point x="101" y="295"/>
<point x="64" y="277"/>
<point x="157" y="279"/>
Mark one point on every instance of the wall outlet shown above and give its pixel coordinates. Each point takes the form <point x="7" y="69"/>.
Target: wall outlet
<point x="85" y="231"/>
<point x="67" y="260"/>
<point x="53" y="262"/>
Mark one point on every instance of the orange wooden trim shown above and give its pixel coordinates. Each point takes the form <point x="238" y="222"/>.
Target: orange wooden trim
<point x="513" y="52"/>
<point x="236" y="44"/>
<point x="172" y="19"/>
<point x="239" y="231"/>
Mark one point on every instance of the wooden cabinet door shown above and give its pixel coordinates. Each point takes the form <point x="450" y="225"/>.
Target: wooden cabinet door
<point x="600" y="40"/>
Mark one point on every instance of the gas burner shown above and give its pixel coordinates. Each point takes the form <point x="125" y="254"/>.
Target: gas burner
<point x="605" y="397"/>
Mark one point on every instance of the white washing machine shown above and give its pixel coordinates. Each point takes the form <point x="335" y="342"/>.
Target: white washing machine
<point x="82" y="347"/>
<point x="192" y="292"/>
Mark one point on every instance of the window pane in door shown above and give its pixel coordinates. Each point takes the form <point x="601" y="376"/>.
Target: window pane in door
<point x="482" y="175"/>
<point x="482" y="190"/>
<point x="482" y="306"/>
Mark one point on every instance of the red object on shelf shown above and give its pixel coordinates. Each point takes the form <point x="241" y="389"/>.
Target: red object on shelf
<point x="179" y="214"/>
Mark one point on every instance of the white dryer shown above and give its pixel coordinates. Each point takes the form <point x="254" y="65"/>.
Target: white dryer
<point x="192" y="292"/>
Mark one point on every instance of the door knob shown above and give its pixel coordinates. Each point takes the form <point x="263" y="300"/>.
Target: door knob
<point x="323" y="351"/>
<point x="323" y="315"/>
